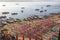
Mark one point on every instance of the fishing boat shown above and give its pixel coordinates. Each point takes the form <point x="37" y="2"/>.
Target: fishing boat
<point x="22" y="11"/>
<point x="4" y="22"/>
<point x="46" y="16"/>
<point x="3" y="5"/>
<point x="29" y="19"/>
<point x="22" y="8"/>
<point x="25" y="19"/>
<point x="17" y="3"/>
<point x="41" y="11"/>
<point x="5" y="12"/>
<point x="36" y="9"/>
<point x="45" y="10"/>
<point x="18" y="20"/>
<point x="35" y="17"/>
<point x="48" y="5"/>
<point x="15" y="20"/>
<point x="10" y="20"/>
<point x="14" y="13"/>
<point x="2" y="16"/>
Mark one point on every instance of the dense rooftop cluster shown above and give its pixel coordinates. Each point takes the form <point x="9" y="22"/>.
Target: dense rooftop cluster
<point x="35" y="26"/>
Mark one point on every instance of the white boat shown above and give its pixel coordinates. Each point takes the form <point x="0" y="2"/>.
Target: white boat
<point x="10" y="20"/>
<point x="4" y="22"/>
<point x="18" y="20"/>
<point x="35" y="17"/>
<point x="2" y="16"/>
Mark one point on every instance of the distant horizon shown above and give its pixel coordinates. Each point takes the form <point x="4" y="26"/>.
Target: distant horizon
<point x="29" y="0"/>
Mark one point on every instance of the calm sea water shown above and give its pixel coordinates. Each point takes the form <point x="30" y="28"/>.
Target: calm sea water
<point x="29" y="11"/>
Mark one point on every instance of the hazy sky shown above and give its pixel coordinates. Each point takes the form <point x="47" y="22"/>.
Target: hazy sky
<point x="29" y="0"/>
<point x="25" y="3"/>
